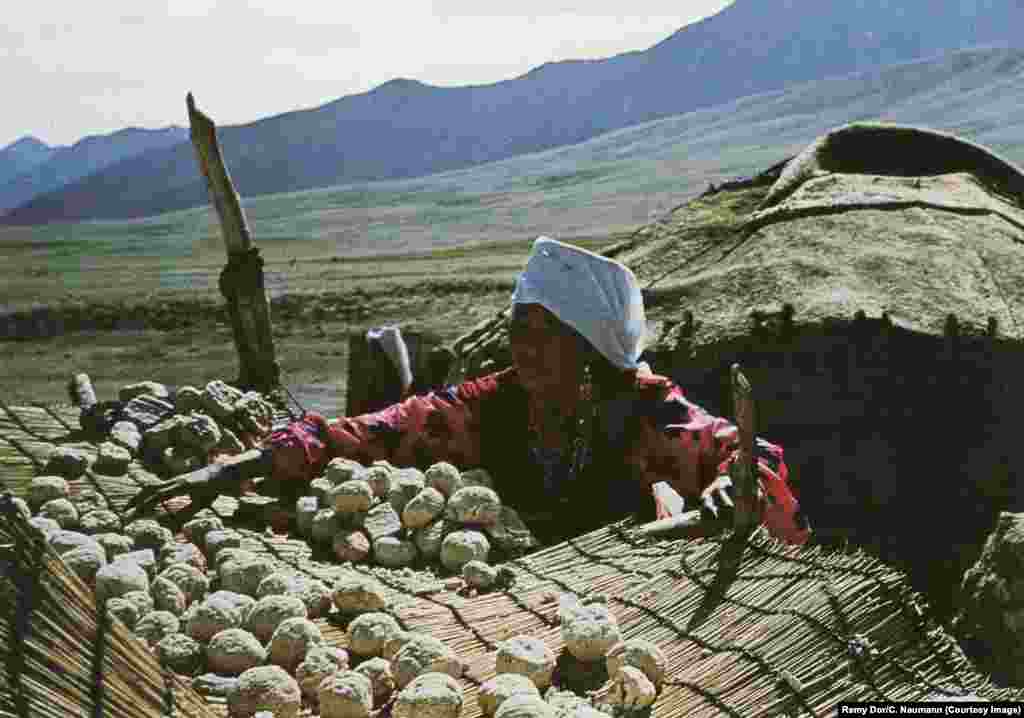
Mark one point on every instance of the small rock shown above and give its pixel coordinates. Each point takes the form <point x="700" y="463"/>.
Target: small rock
<point x="118" y="578"/>
<point x="341" y="470"/>
<point x="126" y="435"/>
<point x="291" y="641"/>
<point x="86" y="561"/>
<point x="218" y="612"/>
<point x="143" y="388"/>
<point x="146" y="412"/>
<point x="217" y="540"/>
<point x="147" y="533"/>
<point x="86" y="500"/>
<point x="229" y="443"/>
<point x="45" y="526"/>
<point x="379" y="479"/>
<point x="100" y="522"/>
<point x="524" y="706"/>
<point x="270" y="612"/>
<point x="474" y="505"/>
<point x="631" y="690"/>
<point x="186" y="553"/>
<point x="351" y="497"/>
<point x="351" y="546"/>
<point x="424" y="654"/>
<point x="163" y="434"/>
<point x="320" y="663"/>
<point x="254" y="414"/>
<point x="265" y="688"/>
<point x="167" y="596"/>
<point x="382" y="681"/>
<point x="589" y="630"/>
<point x="142" y="601"/>
<point x="22" y="507"/>
<point x="405" y="484"/>
<point x="477" y="477"/>
<point x="62" y="511"/>
<point x="180" y="653"/>
<point x="431" y="695"/>
<point x="244" y="575"/>
<point x="345" y="694"/>
<point x="47" y="488"/>
<point x="232" y="553"/>
<point x="480" y="575"/>
<point x="305" y="509"/>
<point x="144" y="559"/>
<point x="112" y="459"/>
<point x="423" y="508"/>
<point x="393" y="552"/>
<point x="124" y="611"/>
<point x="495" y="691"/>
<point x="193" y="583"/>
<point x="444" y="477"/>
<point x="368" y="632"/>
<point x="638" y="653"/>
<point x="429" y="539"/>
<point x="354" y="593"/>
<point x="68" y="462"/>
<point x="63" y="540"/>
<point x="181" y="460"/>
<point x="233" y="651"/>
<point x="382" y="520"/>
<point x="199" y="433"/>
<point x="461" y="547"/>
<point x="157" y="625"/>
<point x="527" y="656"/>
<point x="219" y="399"/>
<point x="210" y="684"/>
<point x="325" y="525"/>
<point x="197" y="529"/>
<point x="188" y="399"/>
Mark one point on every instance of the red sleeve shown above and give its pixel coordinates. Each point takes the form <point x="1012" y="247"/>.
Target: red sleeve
<point x="439" y="426"/>
<point x="688" y="447"/>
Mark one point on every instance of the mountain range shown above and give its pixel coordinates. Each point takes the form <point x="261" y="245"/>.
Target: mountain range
<point x="405" y="128"/>
<point x="30" y="167"/>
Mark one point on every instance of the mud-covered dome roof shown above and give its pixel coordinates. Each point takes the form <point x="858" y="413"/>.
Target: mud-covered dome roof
<point x="870" y="220"/>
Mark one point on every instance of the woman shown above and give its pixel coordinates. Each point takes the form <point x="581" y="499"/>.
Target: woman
<point x="574" y="434"/>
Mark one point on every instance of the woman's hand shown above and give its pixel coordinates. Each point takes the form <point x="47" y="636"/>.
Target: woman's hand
<point x="718" y="502"/>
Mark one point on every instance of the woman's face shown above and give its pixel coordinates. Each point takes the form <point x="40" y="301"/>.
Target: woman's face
<point x="545" y="351"/>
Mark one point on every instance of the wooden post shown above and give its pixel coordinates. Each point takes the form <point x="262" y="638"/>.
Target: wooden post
<point x="744" y="473"/>
<point x="241" y="282"/>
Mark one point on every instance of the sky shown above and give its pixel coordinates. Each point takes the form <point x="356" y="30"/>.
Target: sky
<point x="73" y="69"/>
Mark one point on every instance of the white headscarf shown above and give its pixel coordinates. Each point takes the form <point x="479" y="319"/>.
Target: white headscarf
<point x="598" y="297"/>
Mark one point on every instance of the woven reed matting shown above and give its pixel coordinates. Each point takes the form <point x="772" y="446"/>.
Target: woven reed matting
<point x="770" y="631"/>
<point x="61" y="656"/>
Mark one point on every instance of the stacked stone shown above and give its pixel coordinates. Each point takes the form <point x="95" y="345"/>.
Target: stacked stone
<point x="398" y="517"/>
<point x="172" y="434"/>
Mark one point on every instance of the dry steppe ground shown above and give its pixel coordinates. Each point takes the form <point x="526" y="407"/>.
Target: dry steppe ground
<point x="163" y="320"/>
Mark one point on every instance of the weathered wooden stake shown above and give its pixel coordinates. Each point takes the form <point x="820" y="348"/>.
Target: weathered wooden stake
<point x="241" y="282"/>
<point x="744" y="473"/>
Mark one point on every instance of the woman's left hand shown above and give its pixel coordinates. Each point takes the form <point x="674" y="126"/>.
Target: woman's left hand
<point x="718" y="501"/>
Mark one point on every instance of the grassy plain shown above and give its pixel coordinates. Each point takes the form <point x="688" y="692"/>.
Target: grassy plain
<point x="162" y="319"/>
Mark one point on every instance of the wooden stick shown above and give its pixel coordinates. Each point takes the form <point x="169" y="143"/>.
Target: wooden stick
<point x="744" y="473"/>
<point x="241" y="282"/>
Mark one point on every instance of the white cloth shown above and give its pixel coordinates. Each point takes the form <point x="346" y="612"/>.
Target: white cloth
<point x="393" y="344"/>
<point x="598" y="297"/>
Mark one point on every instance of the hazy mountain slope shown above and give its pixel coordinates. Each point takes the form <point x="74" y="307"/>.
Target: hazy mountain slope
<point x="406" y="129"/>
<point x="609" y="184"/>
<point x="22" y="155"/>
<point x="88" y="155"/>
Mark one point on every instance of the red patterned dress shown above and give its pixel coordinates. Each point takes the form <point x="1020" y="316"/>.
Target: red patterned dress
<point x="647" y="434"/>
